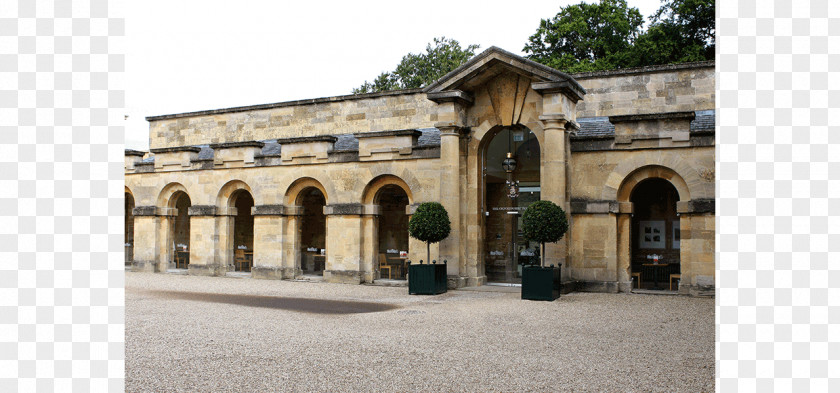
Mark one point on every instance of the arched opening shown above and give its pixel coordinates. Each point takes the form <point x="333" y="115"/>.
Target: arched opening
<point x="129" y="228"/>
<point x="654" y="233"/>
<point x="392" y="232"/>
<point x="508" y="190"/>
<point x="243" y="231"/>
<point x="313" y="231"/>
<point x="180" y="230"/>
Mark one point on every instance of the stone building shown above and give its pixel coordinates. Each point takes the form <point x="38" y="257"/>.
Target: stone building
<point x="326" y="186"/>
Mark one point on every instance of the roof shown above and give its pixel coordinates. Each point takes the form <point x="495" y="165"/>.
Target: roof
<point x="704" y="121"/>
<point x="492" y="62"/>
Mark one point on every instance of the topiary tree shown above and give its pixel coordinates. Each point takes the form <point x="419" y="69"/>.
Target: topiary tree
<point x="544" y="222"/>
<point x="430" y="224"/>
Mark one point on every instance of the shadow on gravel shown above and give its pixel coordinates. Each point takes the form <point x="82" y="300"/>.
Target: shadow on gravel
<point x="317" y="306"/>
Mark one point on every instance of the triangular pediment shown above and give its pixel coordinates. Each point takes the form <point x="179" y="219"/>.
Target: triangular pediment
<point x="493" y="62"/>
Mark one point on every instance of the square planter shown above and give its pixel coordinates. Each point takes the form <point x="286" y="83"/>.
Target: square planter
<point x="426" y="279"/>
<point x="540" y="283"/>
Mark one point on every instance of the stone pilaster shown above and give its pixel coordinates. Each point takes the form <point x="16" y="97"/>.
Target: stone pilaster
<point x="344" y="248"/>
<point x="451" y="248"/>
<point x="290" y="246"/>
<point x="146" y="238"/>
<point x="625" y="284"/>
<point x="554" y="184"/>
<point x="269" y="221"/>
<point x="203" y="241"/>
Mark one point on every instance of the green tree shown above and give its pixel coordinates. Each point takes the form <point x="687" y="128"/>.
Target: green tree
<point x="680" y="31"/>
<point x="418" y="70"/>
<point x="587" y="37"/>
<point x="430" y="224"/>
<point x="544" y="222"/>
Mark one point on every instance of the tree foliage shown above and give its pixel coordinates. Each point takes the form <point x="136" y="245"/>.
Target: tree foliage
<point x="609" y="35"/>
<point x="418" y="70"/>
<point x="680" y="31"/>
<point x="544" y="222"/>
<point x="586" y="37"/>
<point x="430" y="224"/>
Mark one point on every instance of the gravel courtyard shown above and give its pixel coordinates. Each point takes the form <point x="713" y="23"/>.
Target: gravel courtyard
<point x="214" y="334"/>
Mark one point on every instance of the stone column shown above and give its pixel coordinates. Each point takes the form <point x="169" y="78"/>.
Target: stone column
<point x="268" y="241"/>
<point x="452" y="247"/>
<point x="344" y="243"/>
<point x="146" y="235"/>
<point x="553" y="182"/>
<point x="223" y="251"/>
<point x="623" y="220"/>
<point x="291" y="242"/>
<point x="203" y="241"/>
<point x="370" y="242"/>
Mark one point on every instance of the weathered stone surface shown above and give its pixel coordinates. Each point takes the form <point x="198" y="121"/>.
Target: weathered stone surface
<point x="202" y="210"/>
<point x="144" y="211"/>
<point x="268" y="210"/>
<point x="344" y="209"/>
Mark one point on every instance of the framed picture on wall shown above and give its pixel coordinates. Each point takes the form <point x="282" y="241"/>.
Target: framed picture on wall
<point x="651" y="234"/>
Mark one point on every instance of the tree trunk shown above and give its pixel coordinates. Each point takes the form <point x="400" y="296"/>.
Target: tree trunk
<point x="428" y="257"/>
<point x="543" y="254"/>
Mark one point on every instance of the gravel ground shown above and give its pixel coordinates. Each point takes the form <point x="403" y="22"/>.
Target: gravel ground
<point x="457" y="341"/>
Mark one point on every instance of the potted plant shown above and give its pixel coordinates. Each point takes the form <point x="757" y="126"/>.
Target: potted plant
<point x="542" y="222"/>
<point x="430" y="224"/>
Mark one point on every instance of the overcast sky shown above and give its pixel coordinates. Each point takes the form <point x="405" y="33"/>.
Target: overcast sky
<point x="189" y="55"/>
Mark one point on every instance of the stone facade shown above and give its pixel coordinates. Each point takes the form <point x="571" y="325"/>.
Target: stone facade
<point x="600" y="134"/>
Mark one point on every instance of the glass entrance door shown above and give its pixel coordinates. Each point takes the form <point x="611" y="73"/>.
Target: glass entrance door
<point x="512" y="157"/>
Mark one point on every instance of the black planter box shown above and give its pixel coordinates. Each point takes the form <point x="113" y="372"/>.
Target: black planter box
<point x="540" y="283"/>
<point x="426" y="279"/>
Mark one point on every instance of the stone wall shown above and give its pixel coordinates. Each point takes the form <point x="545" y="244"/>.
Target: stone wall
<point x="658" y="89"/>
<point x="324" y="116"/>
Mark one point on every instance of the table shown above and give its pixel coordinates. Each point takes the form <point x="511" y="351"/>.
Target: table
<point x="656" y="267"/>
<point x="182" y="256"/>
<point x="401" y="262"/>
<point x="319" y="261"/>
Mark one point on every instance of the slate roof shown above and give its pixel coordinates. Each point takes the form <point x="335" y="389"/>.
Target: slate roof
<point x="271" y="148"/>
<point x="595" y="126"/>
<point x="704" y="121"/>
<point x="346" y="142"/>
<point x="206" y="152"/>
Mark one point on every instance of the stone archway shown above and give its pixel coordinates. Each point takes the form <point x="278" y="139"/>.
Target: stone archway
<point x="180" y="230"/>
<point x="641" y="186"/>
<point x="235" y="224"/>
<point x="386" y="240"/>
<point x="505" y="251"/>
<point x="172" y="197"/>
<point x="307" y="226"/>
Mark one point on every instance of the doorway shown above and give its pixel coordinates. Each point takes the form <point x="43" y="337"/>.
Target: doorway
<point x="655" y="233"/>
<point x="313" y="232"/>
<point x="243" y="231"/>
<point x="510" y="187"/>
<point x="180" y="232"/>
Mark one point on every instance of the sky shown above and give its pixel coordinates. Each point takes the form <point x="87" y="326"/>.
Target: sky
<point x="189" y="55"/>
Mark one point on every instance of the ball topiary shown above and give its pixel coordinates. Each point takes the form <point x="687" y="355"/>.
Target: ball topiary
<point x="430" y="224"/>
<point x="544" y="222"/>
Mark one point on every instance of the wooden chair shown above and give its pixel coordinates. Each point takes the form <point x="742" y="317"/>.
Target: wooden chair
<point x="671" y="281"/>
<point x="383" y="265"/>
<point x="239" y="259"/>
<point x="638" y="276"/>
<point x="178" y="259"/>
